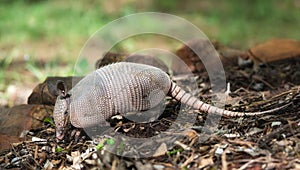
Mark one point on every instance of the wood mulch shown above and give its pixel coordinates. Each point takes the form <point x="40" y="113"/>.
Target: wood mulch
<point x="173" y="141"/>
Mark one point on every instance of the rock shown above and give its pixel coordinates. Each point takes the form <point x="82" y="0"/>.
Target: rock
<point x="45" y="93"/>
<point x="6" y="140"/>
<point x="147" y="59"/>
<point x="274" y="50"/>
<point x="228" y="56"/>
<point x="23" y="117"/>
<point x="19" y="118"/>
<point x="109" y="58"/>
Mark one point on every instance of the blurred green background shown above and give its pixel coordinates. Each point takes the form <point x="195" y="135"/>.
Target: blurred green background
<point x="40" y="38"/>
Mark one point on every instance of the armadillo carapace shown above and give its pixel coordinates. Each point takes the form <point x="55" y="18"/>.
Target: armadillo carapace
<point x="121" y="88"/>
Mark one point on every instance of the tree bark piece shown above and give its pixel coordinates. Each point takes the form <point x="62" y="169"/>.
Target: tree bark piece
<point x="274" y="50"/>
<point x="45" y="93"/>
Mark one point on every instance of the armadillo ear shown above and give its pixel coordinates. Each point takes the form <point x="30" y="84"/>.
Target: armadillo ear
<point x="61" y="88"/>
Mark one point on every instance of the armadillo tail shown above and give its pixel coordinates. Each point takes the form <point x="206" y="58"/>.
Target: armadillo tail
<point x="190" y="100"/>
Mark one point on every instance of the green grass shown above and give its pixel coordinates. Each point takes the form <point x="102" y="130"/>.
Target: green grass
<point x="48" y="20"/>
<point x="239" y="23"/>
<point x="72" y="22"/>
<point x="53" y="32"/>
<point x="245" y="23"/>
<point x="50" y="32"/>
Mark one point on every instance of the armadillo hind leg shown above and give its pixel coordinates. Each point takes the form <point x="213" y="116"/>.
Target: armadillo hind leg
<point x="147" y="115"/>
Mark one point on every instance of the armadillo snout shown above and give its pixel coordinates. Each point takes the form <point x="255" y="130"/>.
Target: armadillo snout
<point x="60" y="134"/>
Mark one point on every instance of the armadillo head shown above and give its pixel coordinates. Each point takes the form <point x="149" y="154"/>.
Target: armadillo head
<point x="61" y="110"/>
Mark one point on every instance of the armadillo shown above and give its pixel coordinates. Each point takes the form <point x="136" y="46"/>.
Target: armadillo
<point x="121" y="88"/>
